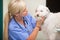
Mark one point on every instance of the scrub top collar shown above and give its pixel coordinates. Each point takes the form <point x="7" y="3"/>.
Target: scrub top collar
<point x="25" y="21"/>
<point x="22" y="26"/>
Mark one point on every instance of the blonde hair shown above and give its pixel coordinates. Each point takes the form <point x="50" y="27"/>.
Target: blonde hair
<point x="13" y="7"/>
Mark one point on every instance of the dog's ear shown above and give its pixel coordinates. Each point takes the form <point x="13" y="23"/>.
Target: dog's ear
<point x="47" y="9"/>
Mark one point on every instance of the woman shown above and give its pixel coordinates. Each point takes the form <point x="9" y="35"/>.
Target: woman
<point x="20" y="24"/>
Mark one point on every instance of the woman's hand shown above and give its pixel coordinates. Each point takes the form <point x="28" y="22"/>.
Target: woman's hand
<point x="39" y="22"/>
<point x="34" y="33"/>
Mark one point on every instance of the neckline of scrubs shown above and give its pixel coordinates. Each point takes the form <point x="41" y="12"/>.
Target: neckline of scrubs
<point x="23" y="27"/>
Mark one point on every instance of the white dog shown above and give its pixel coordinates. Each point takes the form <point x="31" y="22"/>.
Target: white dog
<point x="51" y="24"/>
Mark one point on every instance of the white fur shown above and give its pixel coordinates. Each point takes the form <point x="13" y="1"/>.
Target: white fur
<point x="42" y="10"/>
<point x="51" y="23"/>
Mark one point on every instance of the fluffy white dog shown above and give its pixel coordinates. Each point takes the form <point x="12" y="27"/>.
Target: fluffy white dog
<point x="51" y="25"/>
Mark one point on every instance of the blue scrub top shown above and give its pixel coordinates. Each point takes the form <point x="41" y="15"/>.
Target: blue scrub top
<point x="17" y="31"/>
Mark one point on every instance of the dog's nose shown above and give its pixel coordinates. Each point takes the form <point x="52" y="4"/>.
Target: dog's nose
<point x="37" y="15"/>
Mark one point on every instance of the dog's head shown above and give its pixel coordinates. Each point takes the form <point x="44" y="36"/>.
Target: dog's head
<point x="42" y="10"/>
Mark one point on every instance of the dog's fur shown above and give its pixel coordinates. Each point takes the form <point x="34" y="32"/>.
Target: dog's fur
<point x="51" y="23"/>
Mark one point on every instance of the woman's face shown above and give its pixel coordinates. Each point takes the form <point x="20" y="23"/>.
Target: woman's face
<point x="24" y="12"/>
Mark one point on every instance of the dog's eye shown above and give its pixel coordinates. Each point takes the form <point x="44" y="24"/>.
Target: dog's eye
<point x="41" y="10"/>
